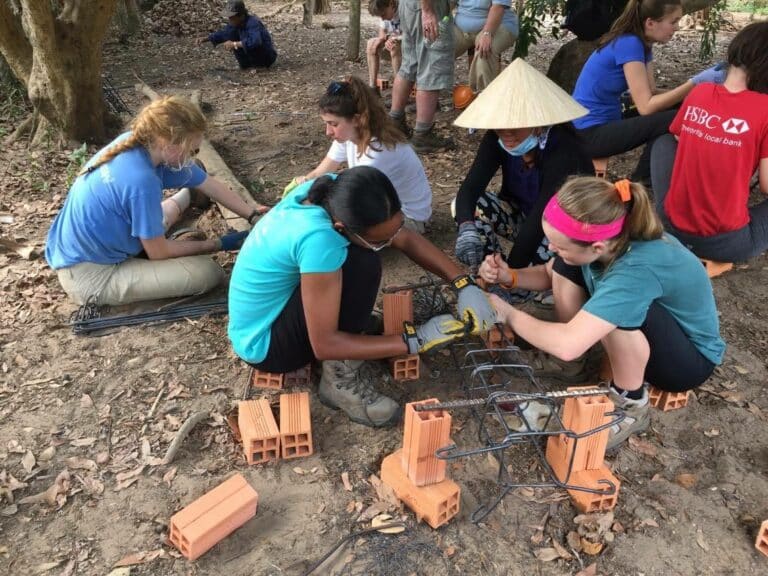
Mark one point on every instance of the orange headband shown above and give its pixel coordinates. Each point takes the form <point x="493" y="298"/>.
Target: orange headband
<point x="623" y="189"/>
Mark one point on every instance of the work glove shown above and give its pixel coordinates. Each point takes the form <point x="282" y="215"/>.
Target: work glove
<point x="292" y="184"/>
<point x="716" y="74"/>
<point x="469" y="246"/>
<point x="475" y="309"/>
<point x="232" y="241"/>
<point x="433" y="334"/>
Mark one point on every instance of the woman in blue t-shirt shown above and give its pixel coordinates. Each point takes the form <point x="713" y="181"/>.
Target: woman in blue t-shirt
<point x="115" y="211"/>
<point x="306" y="279"/>
<point x="624" y="61"/>
<point x="619" y="280"/>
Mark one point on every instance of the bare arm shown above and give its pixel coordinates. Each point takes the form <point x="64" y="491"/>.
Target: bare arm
<point x="641" y="88"/>
<point x="161" y="248"/>
<point x="220" y="192"/>
<point x="495" y="270"/>
<point x="321" y="295"/>
<point x="327" y="165"/>
<point x="495" y="14"/>
<point x="426" y="254"/>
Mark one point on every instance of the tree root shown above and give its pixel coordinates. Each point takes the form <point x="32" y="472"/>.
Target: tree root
<point x="183" y="432"/>
<point x="22" y="129"/>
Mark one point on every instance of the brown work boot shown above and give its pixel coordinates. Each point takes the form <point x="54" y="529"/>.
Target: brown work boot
<point x="548" y="366"/>
<point x="429" y="141"/>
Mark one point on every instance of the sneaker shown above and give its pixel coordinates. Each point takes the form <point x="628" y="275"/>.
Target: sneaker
<point x="545" y="299"/>
<point x="547" y="366"/>
<point x="637" y="416"/>
<point x="429" y="141"/>
<point x="345" y="386"/>
<point x="401" y="124"/>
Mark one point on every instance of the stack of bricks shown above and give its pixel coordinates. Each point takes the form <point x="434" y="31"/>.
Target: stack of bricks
<point x="660" y="399"/>
<point x="585" y="456"/>
<point x="264" y="441"/>
<point x="498" y="337"/>
<point x="715" y="269"/>
<point x="212" y="517"/>
<point x="276" y="381"/>
<point x="398" y="309"/>
<point x="415" y="474"/>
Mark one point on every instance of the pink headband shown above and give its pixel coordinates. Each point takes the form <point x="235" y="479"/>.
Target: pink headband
<point x="583" y="231"/>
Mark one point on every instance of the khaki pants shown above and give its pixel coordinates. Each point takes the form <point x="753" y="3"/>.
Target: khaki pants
<point x="137" y="279"/>
<point x="482" y="71"/>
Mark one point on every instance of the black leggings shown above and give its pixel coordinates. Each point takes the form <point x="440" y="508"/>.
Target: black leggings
<point x="289" y="346"/>
<point x="625" y="135"/>
<point x="675" y="364"/>
<point x="734" y="246"/>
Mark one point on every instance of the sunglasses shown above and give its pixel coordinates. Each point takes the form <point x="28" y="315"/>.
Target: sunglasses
<point x="378" y="247"/>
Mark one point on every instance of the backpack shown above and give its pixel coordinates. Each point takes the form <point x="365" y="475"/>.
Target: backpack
<point x="590" y="19"/>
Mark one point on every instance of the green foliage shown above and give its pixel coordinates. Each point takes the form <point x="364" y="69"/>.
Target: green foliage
<point x="714" y="22"/>
<point x="13" y="97"/>
<point x="752" y="6"/>
<point x="533" y="16"/>
<point x="77" y="159"/>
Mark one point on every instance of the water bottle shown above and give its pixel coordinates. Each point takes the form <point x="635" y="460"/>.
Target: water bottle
<point x="443" y="29"/>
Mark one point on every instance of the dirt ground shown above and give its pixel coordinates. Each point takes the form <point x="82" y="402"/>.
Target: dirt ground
<point x="693" y="489"/>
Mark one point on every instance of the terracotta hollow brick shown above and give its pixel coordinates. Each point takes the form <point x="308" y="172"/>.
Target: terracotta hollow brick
<point x="213" y="517"/>
<point x="270" y="380"/>
<point x="498" y="337"/>
<point x="436" y="504"/>
<point x="258" y="429"/>
<point x="666" y="401"/>
<point x="382" y="83"/>
<point x="580" y="415"/>
<point x="295" y="425"/>
<point x="601" y="166"/>
<point x="300" y="377"/>
<point x="761" y="543"/>
<point x="586" y="502"/>
<point x="424" y="433"/>
<point x="398" y="308"/>
<point x="405" y="367"/>
<point x="715" y="269"/>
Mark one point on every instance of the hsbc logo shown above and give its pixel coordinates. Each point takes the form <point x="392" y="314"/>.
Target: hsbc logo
<point x="735" y="126"/>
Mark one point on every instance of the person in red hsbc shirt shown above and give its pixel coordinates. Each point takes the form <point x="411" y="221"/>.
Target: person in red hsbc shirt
<point x="701" y="173"/>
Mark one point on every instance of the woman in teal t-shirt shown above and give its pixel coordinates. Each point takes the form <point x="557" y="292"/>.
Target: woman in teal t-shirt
<point x="623" y="61"/>
<point x="306" y="279"/>
<point x="619" y="280"/>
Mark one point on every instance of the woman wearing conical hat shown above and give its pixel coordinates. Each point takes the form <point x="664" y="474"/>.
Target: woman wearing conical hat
<point x="529" y="136"/>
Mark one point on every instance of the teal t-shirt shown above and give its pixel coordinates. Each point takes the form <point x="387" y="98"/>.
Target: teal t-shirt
<point x="663" y="271"/>
<point x="290" y="240"/>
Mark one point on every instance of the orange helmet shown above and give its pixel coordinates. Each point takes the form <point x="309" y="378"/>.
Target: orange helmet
<point x="462" y="96"/>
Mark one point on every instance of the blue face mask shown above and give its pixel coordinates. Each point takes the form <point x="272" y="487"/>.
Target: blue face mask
<point x="523" y="148"/>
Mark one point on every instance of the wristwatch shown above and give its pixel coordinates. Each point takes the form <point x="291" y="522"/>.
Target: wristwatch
<point x="486" y="33"/>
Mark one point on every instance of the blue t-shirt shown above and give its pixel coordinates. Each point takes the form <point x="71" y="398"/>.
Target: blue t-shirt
<point x="290" y="240"/>
<point x="109" y="210"/>
<point x="602" y="81"/>
<point x="472" y="14"/>
<point x="663" y="271"/>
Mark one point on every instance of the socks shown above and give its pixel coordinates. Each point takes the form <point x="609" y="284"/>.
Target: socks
<point x="629" y="394"/>
<point x="397" y="114"/>
<point x="423" y="127"/>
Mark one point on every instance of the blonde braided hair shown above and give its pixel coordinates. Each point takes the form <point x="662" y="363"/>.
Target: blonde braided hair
<point x="172" y="118"/>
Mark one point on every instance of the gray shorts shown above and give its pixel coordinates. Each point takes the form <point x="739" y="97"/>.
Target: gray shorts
<point x="430" y="67"/>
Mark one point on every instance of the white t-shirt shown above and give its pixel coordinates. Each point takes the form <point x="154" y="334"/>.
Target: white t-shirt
<point x="402" y="167"/>
<point x="391" y="27"/>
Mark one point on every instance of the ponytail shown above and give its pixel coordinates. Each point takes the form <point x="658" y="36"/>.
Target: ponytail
<point x="177" y="120"/>
<point x="632" y="19"/>
<point x="596" y="201"/>
<point x="359" y="198"/>
<point x="355" y="98"/>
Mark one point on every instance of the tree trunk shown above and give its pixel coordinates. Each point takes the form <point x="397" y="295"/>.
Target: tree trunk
<point x="128" y="18"/>
<point x="322" y="6"/>
<point x="353" y="40"/>
<point x="58" y="59"/>
<point x="309" y="10"/>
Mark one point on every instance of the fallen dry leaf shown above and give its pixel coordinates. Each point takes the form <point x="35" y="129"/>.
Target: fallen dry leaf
<point x="77" y="463"/>
<point x="712" y="433"/>
<point x="300" y="471"/>
<point x="686" y="480"/>
<point x="14" y="447"/>
<point x="382" y="519"/>
<point x="170" y="475"/>
<point x="574" y="540"/>
<point x="546" y="554"/>
<point x="81" y="442"/>
<point x="139" y="558"/>
<point x="28" y="461"/>
<point x="24" y="250"/>
<point x="55" y="495"/>
<point x="564" y="554"/>
<point x="643" y="446"/>
<point x="373" y="510"/>
<point x="47" y="566"/>
<point x="590" y="570"/>
<point x="47" y="454"/>
<point x="591" y="548"/>
<point x="450" y="551"/>
<point x="700" y="540"/>
<point x="86" y="401"/>
<point x="345" y="481"/>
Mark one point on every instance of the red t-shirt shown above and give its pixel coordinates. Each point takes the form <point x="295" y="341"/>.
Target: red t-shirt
<point x="722" y="137"/>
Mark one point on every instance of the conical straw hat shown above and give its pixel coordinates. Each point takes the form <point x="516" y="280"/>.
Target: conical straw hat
<point x="520" y="97"/>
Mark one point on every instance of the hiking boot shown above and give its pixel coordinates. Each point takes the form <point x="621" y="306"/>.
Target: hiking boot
<point x="344" y="385"/>
<point x="547" y="366"/>
<point x="429" y="141"/>
<point x="401" y="124"/>
<point x="637" y="416"/>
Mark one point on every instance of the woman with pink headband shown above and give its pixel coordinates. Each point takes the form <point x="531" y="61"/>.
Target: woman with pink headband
<point x="619" y="280"/>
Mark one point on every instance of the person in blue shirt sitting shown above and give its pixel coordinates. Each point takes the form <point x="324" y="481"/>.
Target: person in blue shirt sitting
<point x="623" y="62"/>
<point x="306" y="280"/>
<point x="618" y="279"/>
<point x="115" y="211"/>
<point x="245" y="36"/>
